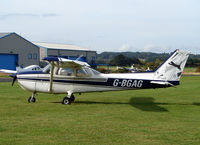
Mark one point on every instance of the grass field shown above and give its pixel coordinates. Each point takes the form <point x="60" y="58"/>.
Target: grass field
<point x="161" y="116"/>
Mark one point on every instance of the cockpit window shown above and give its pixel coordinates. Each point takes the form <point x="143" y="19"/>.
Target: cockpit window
<point x="95" y="72"/>
<point x="66" y="71"/>
<point x="47" y="69"/>
<point x="82" y="73"/>
<point x="36" y="68"/>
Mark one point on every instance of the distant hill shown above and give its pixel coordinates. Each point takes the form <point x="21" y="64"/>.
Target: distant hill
<point x="106" y="57"/>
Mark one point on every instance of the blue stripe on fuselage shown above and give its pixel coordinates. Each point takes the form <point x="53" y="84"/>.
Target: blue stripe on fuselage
<point x="111" y="82"/>
<point x="31" y="72"/>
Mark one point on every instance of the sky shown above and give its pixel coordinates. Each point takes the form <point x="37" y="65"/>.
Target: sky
<point x="107" y="25"/>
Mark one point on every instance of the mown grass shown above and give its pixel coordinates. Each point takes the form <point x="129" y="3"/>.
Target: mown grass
<point x="160" y="116"/>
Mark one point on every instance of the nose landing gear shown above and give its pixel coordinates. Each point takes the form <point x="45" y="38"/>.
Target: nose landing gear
<point x="69" y="99"/>
<point x="32" y="98"/>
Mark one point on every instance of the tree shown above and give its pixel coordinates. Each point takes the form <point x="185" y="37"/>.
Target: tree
<point x="153" y="65"/>
<point x="121" y="60"/>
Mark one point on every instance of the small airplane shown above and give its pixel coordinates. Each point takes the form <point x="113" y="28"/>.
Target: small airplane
<point x="20" y="69"/>
<point x="64" y="76"/>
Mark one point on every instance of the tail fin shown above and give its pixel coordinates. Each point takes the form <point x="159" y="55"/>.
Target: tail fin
<point x="172" y="68"/>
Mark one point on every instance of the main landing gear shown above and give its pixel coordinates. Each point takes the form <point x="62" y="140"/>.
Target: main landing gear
<point x="68" y="100"/>
<point x="32" y="98"/>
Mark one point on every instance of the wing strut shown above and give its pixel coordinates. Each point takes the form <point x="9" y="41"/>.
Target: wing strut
<point x="51" y="77"/>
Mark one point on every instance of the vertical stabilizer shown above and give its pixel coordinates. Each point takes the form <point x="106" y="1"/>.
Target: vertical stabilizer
<point x="173" y="67"/>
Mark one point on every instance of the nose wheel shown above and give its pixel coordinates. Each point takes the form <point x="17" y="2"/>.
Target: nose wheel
<point x="68" y="100"/>
<point x="32" y="98"/>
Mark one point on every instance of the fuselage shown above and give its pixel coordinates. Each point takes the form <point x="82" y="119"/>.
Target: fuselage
<point x="40" y="82"/>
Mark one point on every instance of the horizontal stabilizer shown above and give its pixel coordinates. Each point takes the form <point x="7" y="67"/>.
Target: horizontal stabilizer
<point x="162" y="83"/>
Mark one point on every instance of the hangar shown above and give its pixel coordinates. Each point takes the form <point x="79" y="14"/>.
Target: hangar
<point x="14" y="49"/>
<point x="67" y="51"/>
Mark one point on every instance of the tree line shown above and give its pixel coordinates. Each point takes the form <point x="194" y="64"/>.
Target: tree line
<point x="146" y="59"/>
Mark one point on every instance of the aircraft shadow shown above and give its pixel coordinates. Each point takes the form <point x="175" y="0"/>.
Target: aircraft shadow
<point x="141" y="103"/>
<point x="147" y="104"/>
<point x="197" y="104"/>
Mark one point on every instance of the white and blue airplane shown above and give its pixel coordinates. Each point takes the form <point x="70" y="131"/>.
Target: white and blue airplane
<point x="64" y="76"/>
<point x="20" y="69"/>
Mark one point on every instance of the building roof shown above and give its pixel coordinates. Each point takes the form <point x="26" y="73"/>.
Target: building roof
<point x="50" y="45"/>
<point x="60" y="46"/>
<point x="4" y="34"/>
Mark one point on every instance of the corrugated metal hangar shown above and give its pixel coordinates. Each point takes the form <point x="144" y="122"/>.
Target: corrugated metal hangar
<point x="15" y="49"/>
<point x="66" y="51"/>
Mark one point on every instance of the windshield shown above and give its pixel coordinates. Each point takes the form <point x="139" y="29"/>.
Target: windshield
<point x="82" y="72"/>
<point x="95" y="72"/>
<point x="66" y="71"/>
<point x="47" y="69"/>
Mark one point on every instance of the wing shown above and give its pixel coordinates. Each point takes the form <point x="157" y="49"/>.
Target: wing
<point x="8" y="71"/>
<point x="62" y="62"/>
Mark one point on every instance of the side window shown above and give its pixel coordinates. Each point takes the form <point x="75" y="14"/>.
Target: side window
<point x="47" y="69"/>
<point x="35" y="56"/>
<point x="36" y="68"/>
<point x="81" y="73"/>
<point x="30" y="56"/>
<point x="66" y="71"/>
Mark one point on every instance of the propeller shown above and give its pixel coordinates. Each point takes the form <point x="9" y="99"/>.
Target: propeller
<point x="14" y="76"/>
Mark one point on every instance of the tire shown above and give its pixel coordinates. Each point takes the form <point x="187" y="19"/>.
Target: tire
<point x="30" y="99"/>
<point x="66" y="101"/>
<point x="33" y="100"/>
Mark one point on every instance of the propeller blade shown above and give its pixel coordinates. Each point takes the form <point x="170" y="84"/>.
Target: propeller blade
<point x="14" y="76"/>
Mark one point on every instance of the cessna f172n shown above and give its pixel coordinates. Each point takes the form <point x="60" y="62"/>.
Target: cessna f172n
<point x="64" y="76"/>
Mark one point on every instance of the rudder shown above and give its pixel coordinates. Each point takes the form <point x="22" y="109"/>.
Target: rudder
<point x="172" y="68"/>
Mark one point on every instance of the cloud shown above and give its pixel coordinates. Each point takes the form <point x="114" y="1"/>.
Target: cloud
<point x="19" y="15"/>
<point x="127" y="47"/>
<point x="124" y="47"/>
<point x="156" y="48"/>
<point x="148" y="47"/>
<point x="145" y="48"/>
<point x="49" y="15"/>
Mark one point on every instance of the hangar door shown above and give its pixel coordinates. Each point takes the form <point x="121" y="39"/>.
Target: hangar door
<point x="8" y="61"/>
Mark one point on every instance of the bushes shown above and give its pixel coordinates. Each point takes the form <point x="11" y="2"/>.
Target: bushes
<point x="121" y="60"/>
<point x="198" y="69"/>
